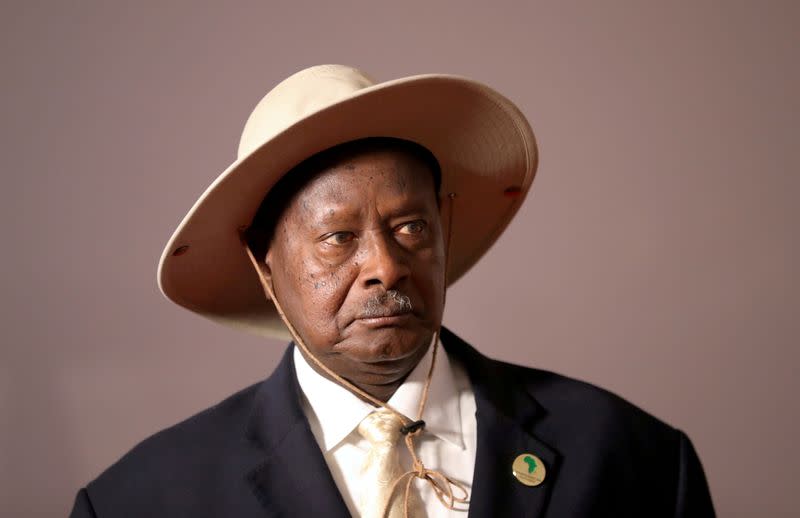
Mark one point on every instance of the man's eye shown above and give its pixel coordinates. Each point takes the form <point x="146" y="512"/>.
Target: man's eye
<point x="339" y="238"/>
<point x="412" y="227"/>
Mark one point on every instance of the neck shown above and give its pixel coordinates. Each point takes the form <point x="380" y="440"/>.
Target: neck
<point x="381" y="392"/>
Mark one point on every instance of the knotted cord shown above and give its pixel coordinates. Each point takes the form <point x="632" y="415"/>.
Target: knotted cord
<point x="441" y="484"/>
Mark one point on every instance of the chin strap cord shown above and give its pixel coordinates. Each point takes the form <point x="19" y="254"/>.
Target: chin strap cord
<point x="441" y="484"/>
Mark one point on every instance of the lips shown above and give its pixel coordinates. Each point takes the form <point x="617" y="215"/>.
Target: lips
<point x="387" y="321"/>
<point x="384" y="318"/>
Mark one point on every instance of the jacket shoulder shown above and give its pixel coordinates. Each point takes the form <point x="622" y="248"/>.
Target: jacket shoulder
<point x="166" y="470"/>
<point x="573" y="397"/>
<point x="572" y="406"/>
<point x="565" y="401"/>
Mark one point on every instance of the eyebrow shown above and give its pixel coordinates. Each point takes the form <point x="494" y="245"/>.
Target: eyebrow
<point x="338" y="212"/>
<point x="333" y="211"/>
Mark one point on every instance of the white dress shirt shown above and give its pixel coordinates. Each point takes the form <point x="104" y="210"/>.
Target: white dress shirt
<point x="446" y="445"/>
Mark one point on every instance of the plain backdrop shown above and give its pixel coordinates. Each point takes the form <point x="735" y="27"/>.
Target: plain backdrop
<point x="656" y="255"/>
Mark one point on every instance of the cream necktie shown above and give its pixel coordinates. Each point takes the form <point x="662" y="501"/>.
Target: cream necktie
<point x="382" y="468"/>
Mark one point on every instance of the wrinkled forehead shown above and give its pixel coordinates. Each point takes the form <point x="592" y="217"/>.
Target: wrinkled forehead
<point x="366" y="176"/>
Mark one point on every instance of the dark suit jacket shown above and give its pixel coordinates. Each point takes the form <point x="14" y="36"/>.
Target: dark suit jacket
<point x="253" y="455"/>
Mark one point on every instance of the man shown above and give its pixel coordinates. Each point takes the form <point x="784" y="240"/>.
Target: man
<point x="351" y="207"/>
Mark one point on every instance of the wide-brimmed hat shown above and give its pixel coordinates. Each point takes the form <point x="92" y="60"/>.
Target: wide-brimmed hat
<point x="484" y="145"/>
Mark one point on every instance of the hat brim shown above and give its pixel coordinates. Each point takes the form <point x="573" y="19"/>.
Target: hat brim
<point x="485" y="146"/>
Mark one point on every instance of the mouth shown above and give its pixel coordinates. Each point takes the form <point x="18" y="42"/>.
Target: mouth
<point x="387" y="318"/>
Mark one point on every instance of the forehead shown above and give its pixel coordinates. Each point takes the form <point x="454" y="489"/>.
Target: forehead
<point x="368" y="174"/>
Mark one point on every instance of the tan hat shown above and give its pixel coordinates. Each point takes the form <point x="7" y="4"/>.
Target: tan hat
<point x="483" y="143"/>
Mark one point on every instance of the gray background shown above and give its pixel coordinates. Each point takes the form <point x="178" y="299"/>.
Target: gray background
<point x="657" y="255"/>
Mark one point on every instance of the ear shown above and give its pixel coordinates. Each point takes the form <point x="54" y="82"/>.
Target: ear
<point x="264" y="266"/>
<point x="261" y="266"/>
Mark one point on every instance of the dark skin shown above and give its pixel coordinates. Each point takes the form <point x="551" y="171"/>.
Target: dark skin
<point x="364" y="225"/>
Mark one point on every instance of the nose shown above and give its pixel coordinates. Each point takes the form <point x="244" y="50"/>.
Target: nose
<point x="385" y="262"/>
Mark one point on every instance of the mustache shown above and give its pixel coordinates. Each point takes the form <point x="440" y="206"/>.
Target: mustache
<point x="387" y="304"/>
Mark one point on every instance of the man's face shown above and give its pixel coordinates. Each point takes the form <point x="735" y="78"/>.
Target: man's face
<point x="357" y="263"/>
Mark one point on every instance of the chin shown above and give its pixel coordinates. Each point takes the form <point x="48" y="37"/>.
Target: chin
<point x="387" y="346"/>
<point x="382" y="372"/>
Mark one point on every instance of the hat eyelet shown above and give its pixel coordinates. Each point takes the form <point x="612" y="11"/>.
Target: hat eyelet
<point x="180" y="250"/>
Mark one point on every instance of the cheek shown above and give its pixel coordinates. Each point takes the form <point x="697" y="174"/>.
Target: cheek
<point x="318" y="290"/>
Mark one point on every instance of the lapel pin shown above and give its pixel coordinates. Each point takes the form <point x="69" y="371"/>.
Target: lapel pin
<point x="528" y="469"/>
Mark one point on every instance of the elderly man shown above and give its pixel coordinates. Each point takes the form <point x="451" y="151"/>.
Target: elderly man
<point x="350" y="209"/>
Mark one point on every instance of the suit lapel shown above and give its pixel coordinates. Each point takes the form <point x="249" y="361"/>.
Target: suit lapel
<point x="292" y="477"/>
<point x="505" y="415"/>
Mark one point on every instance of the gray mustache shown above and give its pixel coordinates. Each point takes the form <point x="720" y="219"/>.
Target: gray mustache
<point x="389" y="303"/>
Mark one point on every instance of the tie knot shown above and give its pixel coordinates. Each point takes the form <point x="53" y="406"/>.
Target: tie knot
<point x="381" y="426"/>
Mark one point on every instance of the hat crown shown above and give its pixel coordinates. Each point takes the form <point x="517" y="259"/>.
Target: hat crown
<point x="296" y="97"/>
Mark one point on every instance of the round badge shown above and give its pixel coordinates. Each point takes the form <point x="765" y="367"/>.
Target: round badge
<point x="528" y="469"/>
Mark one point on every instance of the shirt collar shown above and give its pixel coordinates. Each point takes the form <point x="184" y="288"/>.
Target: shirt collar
<point x="339" y="412"/>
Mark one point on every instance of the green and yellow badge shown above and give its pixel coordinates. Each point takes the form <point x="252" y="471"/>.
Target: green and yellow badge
<point x="529" y="469"/>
